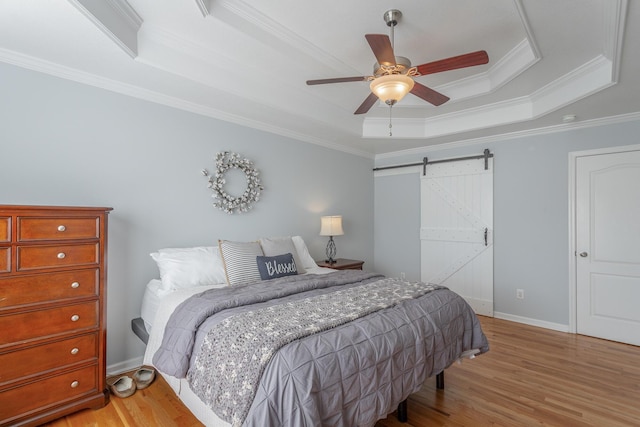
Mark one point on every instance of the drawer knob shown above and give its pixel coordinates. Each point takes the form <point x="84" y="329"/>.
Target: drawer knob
<point x="74" y="350"/>
<point x="75" y="318"/>
<point x="61" y="255"/>
<point x="75" y="285"/>
<point x="62" y="228"/>
<point x="75" y="384"/>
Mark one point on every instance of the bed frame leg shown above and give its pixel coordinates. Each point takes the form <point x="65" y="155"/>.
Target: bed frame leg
<point x="440" y="381"/>
<point x="402" y="407"/>
<point x="402" y="411"/>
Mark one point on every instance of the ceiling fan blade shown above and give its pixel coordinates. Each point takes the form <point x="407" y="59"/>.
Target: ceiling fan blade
<point x="337" y="80"/>
<point x="428" y="94"/>
<point x="382" y="49"/>
<point x="461" y="61"/>
<point x="367" y="104"/>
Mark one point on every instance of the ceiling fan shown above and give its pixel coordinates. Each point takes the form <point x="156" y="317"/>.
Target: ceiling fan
<point x="393" y="76"/>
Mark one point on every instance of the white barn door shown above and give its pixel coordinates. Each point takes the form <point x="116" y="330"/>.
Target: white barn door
<point x="456" y="231"/>
<point x="608" y="246"/>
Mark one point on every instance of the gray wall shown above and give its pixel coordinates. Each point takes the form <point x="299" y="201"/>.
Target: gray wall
<point x="63" y="143"/>
<point x="531" y="216"/>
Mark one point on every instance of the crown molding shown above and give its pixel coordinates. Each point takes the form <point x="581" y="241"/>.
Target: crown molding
<point x="493" y="139"/>
<point x="614" y="18"/>
<point x="595" y="75"/>
<point x="527" y="28"/>
<point x="57" y="70"/>
<point x="203" y="7"/>
<point x="585" y="80"/>
<point x="599" y="73"/>
<point x="115" y="18"/>
<point x="520" y="58"/>
<point x="581" y="82"/>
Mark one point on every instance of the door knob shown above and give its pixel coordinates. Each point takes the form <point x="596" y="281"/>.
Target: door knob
<point x="583" y="254"/>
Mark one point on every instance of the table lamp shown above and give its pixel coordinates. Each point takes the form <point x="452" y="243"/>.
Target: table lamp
<point x="331" y="226"/>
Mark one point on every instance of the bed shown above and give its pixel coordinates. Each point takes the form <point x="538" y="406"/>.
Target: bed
<point x="325" y="347"/>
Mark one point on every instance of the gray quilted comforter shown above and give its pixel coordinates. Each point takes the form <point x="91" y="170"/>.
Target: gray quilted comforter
<point x="350" y="375"/>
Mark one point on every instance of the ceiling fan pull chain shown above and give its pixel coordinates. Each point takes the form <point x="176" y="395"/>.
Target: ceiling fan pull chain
<point x="390" y="107"/>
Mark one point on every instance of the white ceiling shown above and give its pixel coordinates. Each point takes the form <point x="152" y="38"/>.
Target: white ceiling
<point x="246" y="61"/>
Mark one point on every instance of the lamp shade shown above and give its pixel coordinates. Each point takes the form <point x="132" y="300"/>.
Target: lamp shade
<point x="391" y="88"/>
<point x="331" y="225"/>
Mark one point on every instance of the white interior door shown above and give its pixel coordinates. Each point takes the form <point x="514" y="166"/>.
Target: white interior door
<point x="456" y="231"/>
<point x="608" y="246"/>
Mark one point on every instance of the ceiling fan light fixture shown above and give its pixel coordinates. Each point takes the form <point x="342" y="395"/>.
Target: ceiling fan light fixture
<point x="390" y="89"/>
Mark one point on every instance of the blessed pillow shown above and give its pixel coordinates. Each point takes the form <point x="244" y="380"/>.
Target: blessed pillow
<point x="282" y="245"/>
<point x="239" y="260"/>
<point x="182" y="268"/>
<point x="271" y="267"/>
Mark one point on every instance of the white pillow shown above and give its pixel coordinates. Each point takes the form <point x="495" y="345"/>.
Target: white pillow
<point x="239" y="260"/>
<point x="282" y="245"/>
<point x="182" y="268"/>
<point x="303" y="252"/>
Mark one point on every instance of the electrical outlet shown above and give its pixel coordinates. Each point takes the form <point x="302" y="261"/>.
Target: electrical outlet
<point x="520" y="293"/>
<point x="402" y="276"/>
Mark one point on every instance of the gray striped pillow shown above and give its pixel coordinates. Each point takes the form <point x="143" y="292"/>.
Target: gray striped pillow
<point x="239" y="260"/>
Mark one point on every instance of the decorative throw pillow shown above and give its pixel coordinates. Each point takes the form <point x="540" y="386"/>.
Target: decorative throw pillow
<point x="271" y="267"/>
<point x="303" y="252"/>
<point x="282" y="245"/>
<point x="239" y="260"/>
<point x="182" y="268"/>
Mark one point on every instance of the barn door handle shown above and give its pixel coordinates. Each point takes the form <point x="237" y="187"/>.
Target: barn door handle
<point x="486" y="231"/>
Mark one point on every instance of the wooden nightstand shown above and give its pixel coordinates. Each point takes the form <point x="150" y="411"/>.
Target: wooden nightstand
<point x="342" y="264"/>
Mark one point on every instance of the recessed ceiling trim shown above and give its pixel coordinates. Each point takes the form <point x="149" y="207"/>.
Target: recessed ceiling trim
<point x="614" y="18"/>
<point x="585" y="80"/>
<point x="447" y="124"/>
<point x="527" y="28"/>
<point x="116" y="19"/>
<point x="494" y="139"/>
<point x="516" y="61"/>
<point x="203" y="7"/>
<point x="507" y="68"/>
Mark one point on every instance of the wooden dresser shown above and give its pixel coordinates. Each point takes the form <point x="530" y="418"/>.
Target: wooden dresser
<point x="52" y="312"/>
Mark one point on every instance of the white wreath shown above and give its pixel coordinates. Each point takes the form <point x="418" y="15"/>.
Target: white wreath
<point x="226" y="160"/>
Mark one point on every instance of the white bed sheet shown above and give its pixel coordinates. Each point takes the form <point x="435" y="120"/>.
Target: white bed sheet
<point x="151" y="302"/>
<point x="164" y="307"/>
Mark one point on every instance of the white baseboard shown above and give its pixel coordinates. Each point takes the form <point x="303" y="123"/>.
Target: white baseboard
<point x="533" y="322"/>
<point x="125" y="366"/>
<point x="481" y="307"/>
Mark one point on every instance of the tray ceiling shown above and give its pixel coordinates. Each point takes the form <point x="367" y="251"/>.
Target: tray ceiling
<point x="247" y="62"/>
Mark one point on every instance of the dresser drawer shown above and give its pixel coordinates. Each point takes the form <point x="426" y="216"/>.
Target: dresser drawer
<point x="37" y="257"/>
<point x="39" y="288"/>
<point x="53" y="321"/>
<point x="32" y="229"/>
<point x="40" y="394"/>
<point x="5" y="260"/>
<point x="46" y="357"/>
<point x="5" y="229"/>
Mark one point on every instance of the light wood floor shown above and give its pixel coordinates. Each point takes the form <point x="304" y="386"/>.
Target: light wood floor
<point x="530" y="377"/>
